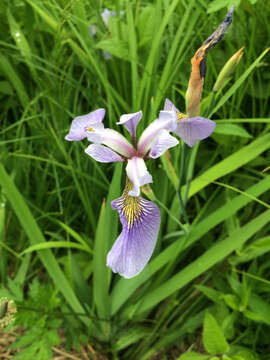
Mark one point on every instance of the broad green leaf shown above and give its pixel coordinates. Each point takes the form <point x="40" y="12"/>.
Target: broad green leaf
<point x="252" y="251"/>
<point x="114" y="47"/>
<point x="193" y="356"/>
<point x="106" y="233"/>
<point x="229" y="164"/>
<point x="232" y="129"/>
<point x="212" y="256"/>
<point x="124" y="288"/>
<point x="212" y="294"/>
<point x="214" y="341"/>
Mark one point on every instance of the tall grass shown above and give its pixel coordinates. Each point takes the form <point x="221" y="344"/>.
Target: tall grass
<point x="56" y="200"/>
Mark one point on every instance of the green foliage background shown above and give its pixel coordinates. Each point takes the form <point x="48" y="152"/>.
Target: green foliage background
<point x="56" y="223"/>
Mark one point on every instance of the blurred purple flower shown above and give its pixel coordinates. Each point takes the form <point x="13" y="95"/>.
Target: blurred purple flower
<point x="140" y="218"/>
<point x="190" y="129"/>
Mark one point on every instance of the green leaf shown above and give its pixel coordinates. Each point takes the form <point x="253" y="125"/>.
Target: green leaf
<point x="232" y="301"/>
<point x="212" y="294"/>
<point x="36" y="237"/>
<point x="115" y="46"/>
<point x="105" y="234"/>
<point x="238" y="82"/>
<point x="54" y="244"/>
<point x="124" y="288"/>
<point x="193" y="356"/>
<point x="214" y="341"/>
<point x="232" y="129"/>
<point x="212" y="256"/>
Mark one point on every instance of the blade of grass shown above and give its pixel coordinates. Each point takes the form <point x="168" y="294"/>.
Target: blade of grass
<point x="212" y="256"/>
<point x="125" y="288"/>
<point x="35" y="236"/>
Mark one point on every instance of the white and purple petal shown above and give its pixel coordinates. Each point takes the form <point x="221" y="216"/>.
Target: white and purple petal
<point x="163" y="142"/>
<point x="106" y="14"/>
<point x="169" y="106"/>
<point x="138" y="174"/>
<point x="130" y="121"/>
<point x="167" y="120"/>
<point x="133" y="248"/>
<point x="80" y="124"/>
<point x="102" y="153"/>
<point x="113" y="140"/>
<point x="191" y="130"/>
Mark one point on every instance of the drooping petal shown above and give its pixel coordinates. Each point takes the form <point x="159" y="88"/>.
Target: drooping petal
<point x="130" y="121"/>
<point x="113" y="140"/>
<point x="133" y="248"/>
<point x="102" y="153"/>
<point x="167" y="120"/>
<point x="137" y="174"/>
<point x="191" y="130"/>
<point x="80" y="124"/>
<point x="163" y="142"/>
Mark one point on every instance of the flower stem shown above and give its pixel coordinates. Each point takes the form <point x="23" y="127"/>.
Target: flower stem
<point x="182" y="167"/>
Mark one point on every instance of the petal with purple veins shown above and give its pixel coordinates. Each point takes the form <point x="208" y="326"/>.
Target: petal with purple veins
<point x="130" y="121"/>
<point x="137" y="174"/>
<point x="191" y="130"/>
<point x="133" y="248"/>
<point x="102" y="153"/>
<point x="169" y="106"/>
<point x="163" y="142"/>
<point x="167" y="120"/>
<point x="113" y="140"/>
<point x="80" y="124"/>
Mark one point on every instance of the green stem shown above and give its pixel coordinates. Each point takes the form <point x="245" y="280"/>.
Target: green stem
<point x="182" y="168"/>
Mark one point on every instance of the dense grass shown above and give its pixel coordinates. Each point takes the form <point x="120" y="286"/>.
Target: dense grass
<point x="56" y="223"/>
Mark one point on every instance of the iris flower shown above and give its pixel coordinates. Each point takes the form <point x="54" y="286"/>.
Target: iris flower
<point x="190" y="129"/>
<point x="140" y="218"/>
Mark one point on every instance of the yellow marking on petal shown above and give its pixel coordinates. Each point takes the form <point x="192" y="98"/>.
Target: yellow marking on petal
<point x="180" y="116"/>
<point x="131" y="205"/>
<point x="90" y="129"/>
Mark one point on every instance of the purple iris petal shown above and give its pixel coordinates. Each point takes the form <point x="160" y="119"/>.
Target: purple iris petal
<point x="137" y="174"/>
<point x="113" y="140"/>
<point x="130" y="121"/>
<point x="102" y="153"/>
<point x="166" y="120"/>
<point x="134" y="246"/>
<point x="191" y="130"/>
<point x="79" y="125"/>
<point x="106" y="14"/>
<point x="169" y="106"/>
<point x="163" y="142"/>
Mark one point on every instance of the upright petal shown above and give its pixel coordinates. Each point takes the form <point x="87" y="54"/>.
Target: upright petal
<point x="102" y="153"/>
<point x="163" y="142"/>
<point x="191" y="130"/>
<point x="137" y="174"/>
<point x="80" y="124"/>
<point x="106" y="14"/>
<point x="167" y="120"/>
<point x="133" y="248"/>
<point x="130" y="121"/>
<point x="113" y="140"/>
<point x="169" y="106"/>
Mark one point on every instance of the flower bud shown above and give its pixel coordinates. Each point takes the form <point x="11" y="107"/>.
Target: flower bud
<point x="228" y="69"/>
